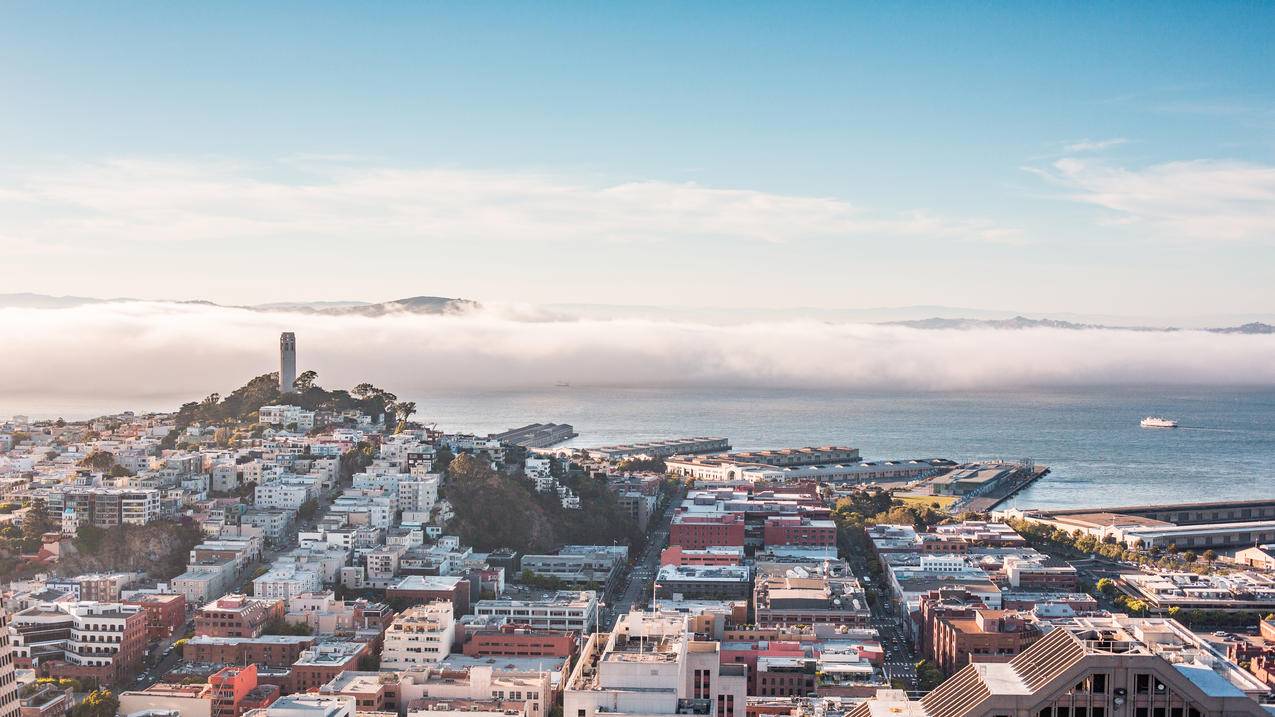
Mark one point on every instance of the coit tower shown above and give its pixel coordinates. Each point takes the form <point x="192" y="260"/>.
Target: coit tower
<point x="287" y="361"/>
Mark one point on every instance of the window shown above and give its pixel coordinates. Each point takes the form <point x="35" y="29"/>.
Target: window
<point x="1142" y="684"/>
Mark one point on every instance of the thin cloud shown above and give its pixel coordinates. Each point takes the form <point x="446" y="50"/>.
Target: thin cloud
<point x="1095" y="145"/>
<point x="1200" y="199"/>
<point x="147" y="200"/>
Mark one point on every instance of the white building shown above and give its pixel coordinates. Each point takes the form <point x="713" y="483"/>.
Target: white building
<point x="285" y="581"/>
<point x="564" y="610"/>
<point x="9" y="702"/>
<point x="649" y="665"/>
<point x="419" y="636"/>
<point x="308" y="705"/>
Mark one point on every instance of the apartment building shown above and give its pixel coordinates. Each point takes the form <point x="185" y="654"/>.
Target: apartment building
<point x="514" y="640"/>
<point x="284" y="581"/>
<point x="96" y="641"/>
<point x="10" y="705"/>
<point x="235" y="690"/>
<point x="317" y="665"/>
<point x="649" y="665"/>
<point x="109" y="507"/>
<point x="800" y="531"/>
<point x="418" y="636"/>
<point x="702" y="531"/>
<point x="270" y="650"/>
<point x="237" y="616"/>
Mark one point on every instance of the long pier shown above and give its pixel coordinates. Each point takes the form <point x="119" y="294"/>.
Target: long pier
<point x="1002" y="492"/>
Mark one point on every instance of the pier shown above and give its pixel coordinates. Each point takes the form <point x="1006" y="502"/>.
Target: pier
<point x="1002" y="491"/>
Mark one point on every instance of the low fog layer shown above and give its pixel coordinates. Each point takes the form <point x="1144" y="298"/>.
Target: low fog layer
<point x="139" y="353"/>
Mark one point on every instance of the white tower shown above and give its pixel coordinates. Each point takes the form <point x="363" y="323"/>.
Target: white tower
<point x="287" y="361"/>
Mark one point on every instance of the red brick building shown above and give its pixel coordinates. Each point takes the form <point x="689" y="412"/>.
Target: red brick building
<point x="237" y="616"/>
<point x="165" y="613"/>
<point x="319" y="664"/>
<point x="984" y="636"/>
<point x="519" y="641"/>
<point x="800" y="531"/>
<point x="715" y="555"/>
<point x="270" y="650"/>
<point x="701" y="531"/>
<point x="432" y="588"/>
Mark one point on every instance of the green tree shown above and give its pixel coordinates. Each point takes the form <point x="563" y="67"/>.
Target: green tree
<point x="928" y="676"/>
<point x="279" y="626"/>
<point x="305" y="381"/>
<point x="1107" y="586"/>
<point x="99" y="703"/>
<point x="1210" y="555"/>
<point x="101" y="461"/>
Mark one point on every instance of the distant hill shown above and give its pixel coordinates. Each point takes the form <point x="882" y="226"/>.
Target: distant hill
<point x="409" y="305"/>
<point x="1022" y="322"/>
<point x="1255" y="327"/>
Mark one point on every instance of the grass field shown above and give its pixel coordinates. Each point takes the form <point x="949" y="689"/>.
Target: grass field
<point x="909" y="499"/>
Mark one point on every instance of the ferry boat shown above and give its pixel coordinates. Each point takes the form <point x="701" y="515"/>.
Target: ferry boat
<point x="1157" y="422"/>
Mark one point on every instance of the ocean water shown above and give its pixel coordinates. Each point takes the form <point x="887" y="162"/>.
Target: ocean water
<point x="1089" y="437"/>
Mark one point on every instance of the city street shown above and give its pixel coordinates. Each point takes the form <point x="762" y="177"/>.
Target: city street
<point x="637" y="585"/>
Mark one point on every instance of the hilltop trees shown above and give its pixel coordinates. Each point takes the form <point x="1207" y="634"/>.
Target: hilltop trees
<point x="498" y="510"/>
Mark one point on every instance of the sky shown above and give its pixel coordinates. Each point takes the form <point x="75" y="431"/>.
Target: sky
<point x="1039" y="157"/>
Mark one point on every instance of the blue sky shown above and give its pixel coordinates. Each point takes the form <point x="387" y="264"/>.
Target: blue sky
<point x="1042" y="157"/>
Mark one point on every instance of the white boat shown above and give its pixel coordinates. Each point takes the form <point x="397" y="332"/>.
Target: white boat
<point x="1157" y="422"/>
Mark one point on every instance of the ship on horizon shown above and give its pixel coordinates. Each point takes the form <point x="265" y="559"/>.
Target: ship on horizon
<point x="1158" y="422"/>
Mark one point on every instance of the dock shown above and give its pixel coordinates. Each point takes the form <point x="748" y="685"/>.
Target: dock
<point x="537" y="435"/>
<point x="1001" y="492"/>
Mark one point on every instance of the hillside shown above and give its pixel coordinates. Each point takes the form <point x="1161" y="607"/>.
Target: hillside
<point x="495" y="510"/>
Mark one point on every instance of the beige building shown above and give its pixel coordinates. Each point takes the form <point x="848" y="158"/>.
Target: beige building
<point x="1100" y="667"/>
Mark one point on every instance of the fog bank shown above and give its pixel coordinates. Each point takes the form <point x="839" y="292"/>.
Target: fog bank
<point x="136" y="352"/>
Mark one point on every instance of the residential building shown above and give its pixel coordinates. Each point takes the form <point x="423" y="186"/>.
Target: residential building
<point x="237" y="616"/>
<point x="95" y="641"/>
<point x="269" y="650"/>
<point x="650" y="665"/>
<point x="420" y="635"/>
<point x="702" y="531"/>
<point x="318" y="664"/>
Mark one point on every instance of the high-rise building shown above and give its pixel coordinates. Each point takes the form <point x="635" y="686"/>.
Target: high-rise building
<point x="1113" y="666"/>
<point x="9" y="703"/>
<point x="287" y="361"/>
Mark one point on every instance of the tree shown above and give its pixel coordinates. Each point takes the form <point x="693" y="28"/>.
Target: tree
<point x="928" y="676"/>
<point x="405" y="410"/>
<point x="101" y="461"/>
<point x="99" y="703"/>
<point x="1210" y="555"/>
<point x="305" y="381"/>
<point x="279" y="626"/>
<point x="1107" y="586"/>
<point x="1189" y="556"/>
